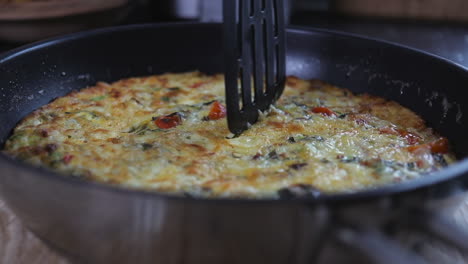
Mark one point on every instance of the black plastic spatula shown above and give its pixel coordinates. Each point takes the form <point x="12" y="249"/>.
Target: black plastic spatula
<point x="255" y="54"/>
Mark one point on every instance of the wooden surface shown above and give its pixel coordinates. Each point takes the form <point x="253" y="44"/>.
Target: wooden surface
<point x="53" y="8"/>
<point x="454" y="10"/>
<point x="19" y="246"/>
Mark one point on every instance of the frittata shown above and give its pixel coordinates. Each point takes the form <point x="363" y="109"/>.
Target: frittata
<point x="168" y="133"/>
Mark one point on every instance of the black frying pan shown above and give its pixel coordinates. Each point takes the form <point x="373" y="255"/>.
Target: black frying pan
<point x="102" y="224"/>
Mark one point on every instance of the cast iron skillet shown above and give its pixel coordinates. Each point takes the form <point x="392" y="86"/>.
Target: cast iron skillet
<point x="96" y="223"/>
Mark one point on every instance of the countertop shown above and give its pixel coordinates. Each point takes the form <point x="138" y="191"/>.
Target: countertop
<point x="19" y="246"/>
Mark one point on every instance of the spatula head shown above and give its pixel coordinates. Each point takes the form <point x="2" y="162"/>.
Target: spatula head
<point x="255" y="58"/>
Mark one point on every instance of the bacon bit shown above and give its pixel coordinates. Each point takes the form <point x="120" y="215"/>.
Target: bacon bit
<point x="438" y="146"/>
<point x="323" y="110"/>
<point x="168" y="121"/>
<point x="410" y="137"/>
<point x="67" y="158"/>
<point x="217" y="111"/>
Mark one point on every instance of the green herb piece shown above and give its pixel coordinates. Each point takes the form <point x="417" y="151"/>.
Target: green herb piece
<point x="165" y="98"/>
<point x="297" y="166"/>
<point x="86" y="114"/>
<point x="273" y="155"/>
<point x="44" y="118"/>
<point x="146" y="146"/>
<point x="98" y="98"/>
<point x="209" y="102"/>
<point x="89" y="115"/>
<point x="56" y="156"/>
<point x="139" y="129"/>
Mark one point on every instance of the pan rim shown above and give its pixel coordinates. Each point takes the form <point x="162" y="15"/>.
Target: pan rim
<point x="451" y="172"/>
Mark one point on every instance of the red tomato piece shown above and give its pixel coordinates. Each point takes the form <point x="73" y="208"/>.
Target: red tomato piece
<point x="197" y="84"/>
<point x="168" y="121"/>
<point x="217" y="111"/>
<point x="388" y="130"/>
<point x="410" y="137"/>
<point x="67" y="158"/>
<point x="438" y="146"/>
<point x="323" y="110"/>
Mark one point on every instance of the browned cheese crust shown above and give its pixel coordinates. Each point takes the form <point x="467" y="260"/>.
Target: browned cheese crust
<point x="168" y="133"/>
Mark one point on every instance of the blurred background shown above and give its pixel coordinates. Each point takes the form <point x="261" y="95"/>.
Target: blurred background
<point x="436" y="26"/>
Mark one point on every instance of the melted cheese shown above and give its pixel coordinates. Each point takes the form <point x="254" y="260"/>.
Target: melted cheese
<point x="317" y="138"/>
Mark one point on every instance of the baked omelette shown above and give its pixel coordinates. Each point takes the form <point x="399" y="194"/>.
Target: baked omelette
<point x="168" y="133"/>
